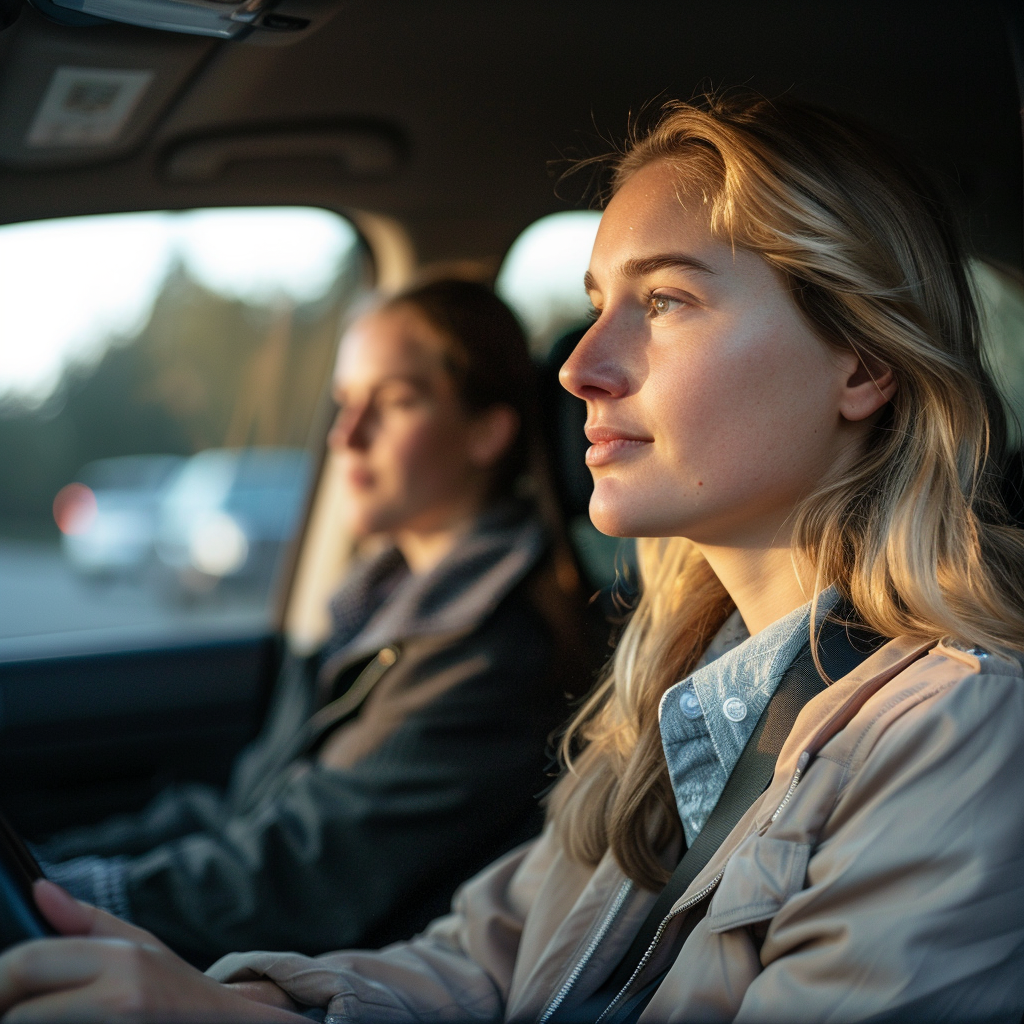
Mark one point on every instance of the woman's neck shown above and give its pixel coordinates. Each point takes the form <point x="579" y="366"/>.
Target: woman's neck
<point x="424" y="546"/>
<point x="763" y="581"/>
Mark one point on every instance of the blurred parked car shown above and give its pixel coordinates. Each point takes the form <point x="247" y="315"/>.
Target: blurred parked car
<point x="108" y="516"/>
<point x="228" y="513"/>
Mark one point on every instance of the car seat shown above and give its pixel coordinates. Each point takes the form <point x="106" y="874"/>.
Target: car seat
<point x="607" y="564"/>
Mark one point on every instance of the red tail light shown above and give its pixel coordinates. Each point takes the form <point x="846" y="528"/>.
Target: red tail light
<point x="74" y="508"/>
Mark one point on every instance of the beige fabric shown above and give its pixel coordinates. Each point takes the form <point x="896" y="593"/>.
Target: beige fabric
<point x="888" y="882"/>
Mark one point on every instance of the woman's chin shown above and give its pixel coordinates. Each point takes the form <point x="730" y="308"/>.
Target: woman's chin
<point x="362" y="523"/>
<point x="621" y="515"/>
<point x="611" y="521"/>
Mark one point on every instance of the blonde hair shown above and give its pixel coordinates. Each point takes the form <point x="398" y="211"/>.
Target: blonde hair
<point x="914" y="535"/>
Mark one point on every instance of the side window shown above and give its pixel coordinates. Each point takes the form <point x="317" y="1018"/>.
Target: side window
<point x="542" y="280"/>
<point x="159" y="378"/>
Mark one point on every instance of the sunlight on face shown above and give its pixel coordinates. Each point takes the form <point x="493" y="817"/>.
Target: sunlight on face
<point x="711" y="407"/>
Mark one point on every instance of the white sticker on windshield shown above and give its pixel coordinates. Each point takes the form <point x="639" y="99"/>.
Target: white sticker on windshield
<point x="86" y="106"/>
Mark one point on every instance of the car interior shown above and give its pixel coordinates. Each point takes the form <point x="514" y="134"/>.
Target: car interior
<point x="435" y="134"/>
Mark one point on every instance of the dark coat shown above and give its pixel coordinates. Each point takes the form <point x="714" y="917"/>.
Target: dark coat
<point x="354" y="826"/>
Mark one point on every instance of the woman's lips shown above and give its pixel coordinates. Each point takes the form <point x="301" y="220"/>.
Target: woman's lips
<point x="608" y="444"/>
<point x="360" y="479"/>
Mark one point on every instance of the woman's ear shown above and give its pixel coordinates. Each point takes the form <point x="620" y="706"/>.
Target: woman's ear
<point x="493" y="432"/>
<point x="868" y="387"/>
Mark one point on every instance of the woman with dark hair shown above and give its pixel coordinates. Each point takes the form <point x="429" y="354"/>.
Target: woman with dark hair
<point x="796" y="794"/>
<point x="408" y="751"/>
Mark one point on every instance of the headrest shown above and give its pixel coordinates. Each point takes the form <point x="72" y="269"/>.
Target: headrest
<point x="1012" y="486"/>
<point x="563" y="418"/>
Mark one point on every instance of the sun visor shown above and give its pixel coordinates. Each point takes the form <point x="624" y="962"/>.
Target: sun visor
<point x="74" y="98"/>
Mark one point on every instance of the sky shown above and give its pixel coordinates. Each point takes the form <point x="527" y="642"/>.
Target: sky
<point x="69" y="287"/>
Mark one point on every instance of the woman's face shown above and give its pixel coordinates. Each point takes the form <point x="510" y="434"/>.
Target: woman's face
<point x="711" y="407"/>
<point x="406" y="446"/>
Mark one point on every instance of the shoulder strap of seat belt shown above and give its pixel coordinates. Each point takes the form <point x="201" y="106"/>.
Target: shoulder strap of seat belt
<point x="841" y="648"/>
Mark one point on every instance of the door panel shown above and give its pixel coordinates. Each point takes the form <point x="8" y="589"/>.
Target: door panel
<point x="83" y="737"/>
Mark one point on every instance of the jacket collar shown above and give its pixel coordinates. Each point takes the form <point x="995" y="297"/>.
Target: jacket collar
<point x="382" y="603"/>
<point x="838" y="705"/>
<point x="824" y="717"/>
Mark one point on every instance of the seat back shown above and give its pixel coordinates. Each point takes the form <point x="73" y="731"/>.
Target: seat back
<point x="603" y="561"/>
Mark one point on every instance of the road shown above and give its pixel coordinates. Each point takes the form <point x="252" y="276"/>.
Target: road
<point x="45" y="605"/>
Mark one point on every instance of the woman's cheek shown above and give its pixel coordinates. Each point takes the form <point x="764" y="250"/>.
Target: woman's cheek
<point x="417" y="453"/>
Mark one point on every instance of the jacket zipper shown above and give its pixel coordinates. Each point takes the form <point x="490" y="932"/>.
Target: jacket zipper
<point x="617" y="906"/>
<point x="801" y="764"/>
<point x="694" y="899"/>
<point x="620" y="898"/>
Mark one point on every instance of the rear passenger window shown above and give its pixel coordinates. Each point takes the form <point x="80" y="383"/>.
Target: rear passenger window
<point x="542" y="276"/>
<point x="159" y="380"/>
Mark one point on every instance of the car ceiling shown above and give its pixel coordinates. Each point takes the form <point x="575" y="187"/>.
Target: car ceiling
<point x="458" y="113"/>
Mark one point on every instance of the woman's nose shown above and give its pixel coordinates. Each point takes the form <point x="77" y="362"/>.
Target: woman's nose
<point x="349" y="429"/>
<point x="595" y="369"/>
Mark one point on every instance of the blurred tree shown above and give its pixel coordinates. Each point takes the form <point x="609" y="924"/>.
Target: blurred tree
<point x="205" y="371"/>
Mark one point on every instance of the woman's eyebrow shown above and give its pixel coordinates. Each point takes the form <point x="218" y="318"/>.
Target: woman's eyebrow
<point x="414" y="379"/>
<point x="641" y="266"/>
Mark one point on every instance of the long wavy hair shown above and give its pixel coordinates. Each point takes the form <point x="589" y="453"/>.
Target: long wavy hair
<point x="913" y="535"/>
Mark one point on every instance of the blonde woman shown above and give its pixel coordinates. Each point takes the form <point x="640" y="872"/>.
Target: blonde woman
<point x="786" y="398"/>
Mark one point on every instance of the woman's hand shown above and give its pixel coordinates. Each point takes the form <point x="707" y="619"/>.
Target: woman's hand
<point x="105" y="969"/>
<point x="263" y="991"/>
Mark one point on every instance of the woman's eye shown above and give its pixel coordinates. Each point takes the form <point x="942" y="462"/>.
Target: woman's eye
<point x="659" y="305"/>
<point x="593" y="313"/>
<point x="401" y="400"/>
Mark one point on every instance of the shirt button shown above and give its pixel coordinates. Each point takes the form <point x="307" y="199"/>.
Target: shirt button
<point x="690" y="704"/>
<point x="734" y="709"/>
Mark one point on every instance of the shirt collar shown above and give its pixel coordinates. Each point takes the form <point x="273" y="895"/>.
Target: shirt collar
<point x="735" y="687"/>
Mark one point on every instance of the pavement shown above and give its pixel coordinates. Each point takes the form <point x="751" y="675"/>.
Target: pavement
<point x="46" y="606"/>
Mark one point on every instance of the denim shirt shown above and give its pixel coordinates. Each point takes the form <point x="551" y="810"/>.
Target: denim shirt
<point x="707" y="718"/>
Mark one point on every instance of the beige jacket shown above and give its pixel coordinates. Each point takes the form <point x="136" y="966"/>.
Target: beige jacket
<point x="880" y="876"/>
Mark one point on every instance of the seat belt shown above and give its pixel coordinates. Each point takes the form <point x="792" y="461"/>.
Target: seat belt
<point x="841" y="648"/>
